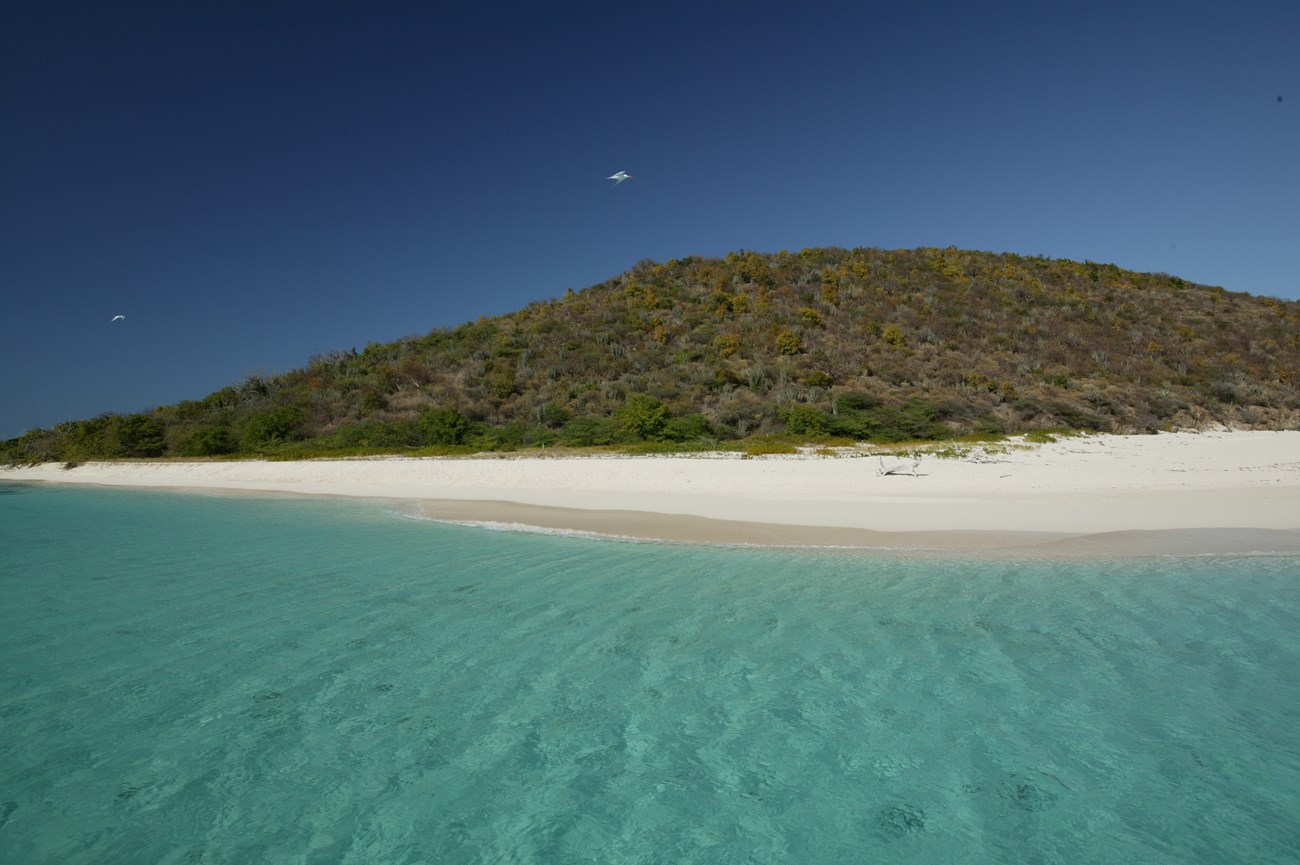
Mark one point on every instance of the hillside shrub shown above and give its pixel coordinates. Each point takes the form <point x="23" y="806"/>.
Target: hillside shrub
<point x="642" y="418"/>
<point x="443" y="426"/>
<point x="271" y="427"/>
<point x="587" y="431"/>
<point x="804" y="420"/>
<point x="209" y="441"/>
<point x="985" y="341"/>
<point x="691" y="427"/>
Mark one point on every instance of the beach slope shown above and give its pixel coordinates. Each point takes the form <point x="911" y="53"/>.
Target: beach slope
<point x="1182" y="493"/>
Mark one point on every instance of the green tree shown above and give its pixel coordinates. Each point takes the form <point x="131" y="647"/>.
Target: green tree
<point x="810" y="316"/>
<point x="555" y="415"/>
<point x="208" y="441"/>
<point x="84" y="439"/>
<point x="691" y="427"/>
<point x="588" y="431"/>
<point x="372" y="400"/>
<point x="502" y="383"/>
<point x="915" y="420"/>
<point x="803" y="420"/>
<point x="642" y="418"/>
<point x="443" y="426"/>
<point x="830" y="291"/>
<point x="135" y="435"/>
<point x="271" y="427"/>
<point x="788" y="342"/>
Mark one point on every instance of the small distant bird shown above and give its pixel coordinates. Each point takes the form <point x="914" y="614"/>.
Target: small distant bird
<point x="117" y="318"/>
<point x="619" y="178"/>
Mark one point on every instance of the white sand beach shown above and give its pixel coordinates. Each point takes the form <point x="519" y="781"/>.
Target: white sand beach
<point x="1183" y="493"/>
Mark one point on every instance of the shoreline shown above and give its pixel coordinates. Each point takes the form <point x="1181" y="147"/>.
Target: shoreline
<point x="1228" y="492"/>
<point x="642" y="526"/>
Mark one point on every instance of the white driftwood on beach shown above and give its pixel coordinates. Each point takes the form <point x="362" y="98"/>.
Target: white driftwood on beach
<point x="899" y="468"/>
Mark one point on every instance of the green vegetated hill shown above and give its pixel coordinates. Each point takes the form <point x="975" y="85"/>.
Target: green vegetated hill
<point x="866" y="344"/>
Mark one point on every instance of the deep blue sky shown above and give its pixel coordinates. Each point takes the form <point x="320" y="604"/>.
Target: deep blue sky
<point x="254" y="183"/>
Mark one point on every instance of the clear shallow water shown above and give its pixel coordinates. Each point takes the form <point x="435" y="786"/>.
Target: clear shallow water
<point x="189" y="678"/>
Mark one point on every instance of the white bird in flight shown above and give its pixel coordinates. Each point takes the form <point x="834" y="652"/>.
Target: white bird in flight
<point x="619" y="177"/>
<point x="117" y="318"/>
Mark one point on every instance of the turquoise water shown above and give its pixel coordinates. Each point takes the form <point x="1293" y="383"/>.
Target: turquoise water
<point x="205" y="679"/>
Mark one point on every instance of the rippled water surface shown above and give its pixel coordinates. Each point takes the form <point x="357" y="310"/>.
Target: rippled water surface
<point x="203" y="679"/>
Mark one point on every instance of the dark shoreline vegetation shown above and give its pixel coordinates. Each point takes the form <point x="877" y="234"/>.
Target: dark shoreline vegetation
<point x="756" y="350"/>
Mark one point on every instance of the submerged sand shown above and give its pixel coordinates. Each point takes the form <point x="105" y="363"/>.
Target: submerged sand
<point x="1173" y="493"/>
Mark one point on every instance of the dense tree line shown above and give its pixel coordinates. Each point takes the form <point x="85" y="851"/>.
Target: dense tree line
<point x="866" y="344"/>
